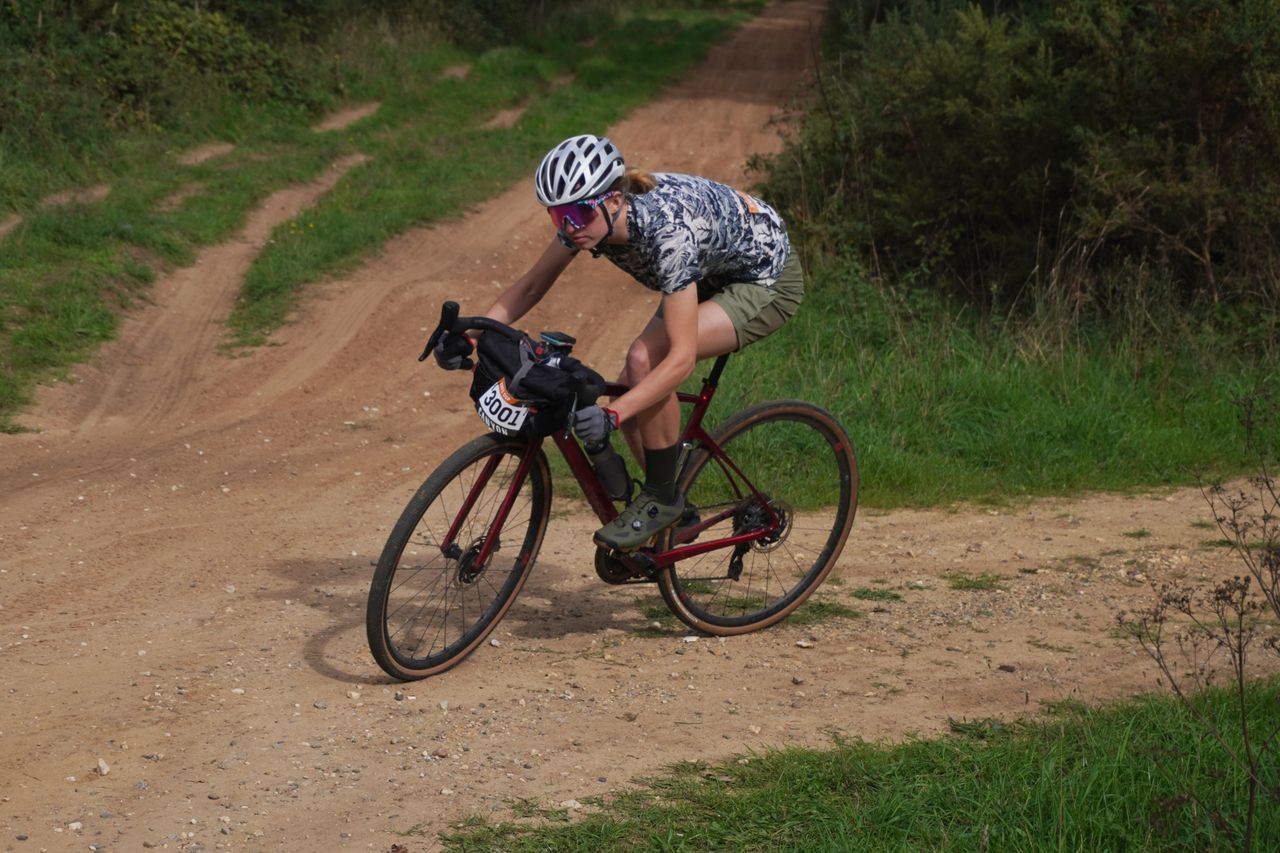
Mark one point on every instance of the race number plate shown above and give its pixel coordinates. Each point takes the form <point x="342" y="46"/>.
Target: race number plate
<point x="501" y="412"/>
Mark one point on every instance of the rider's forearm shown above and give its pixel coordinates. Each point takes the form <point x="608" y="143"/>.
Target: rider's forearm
<point x="528" y="290"/>
<point x="516" y="301"/>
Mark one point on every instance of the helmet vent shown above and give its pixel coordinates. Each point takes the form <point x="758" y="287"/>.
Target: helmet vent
<point x="579" y="167"/>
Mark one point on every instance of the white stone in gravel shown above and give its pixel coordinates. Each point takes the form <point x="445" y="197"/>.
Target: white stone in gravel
<point x="103" y="767"/>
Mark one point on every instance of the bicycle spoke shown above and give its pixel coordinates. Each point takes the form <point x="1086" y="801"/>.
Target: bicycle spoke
<point x="782" y="454"/>
<point x="433" y="598"/>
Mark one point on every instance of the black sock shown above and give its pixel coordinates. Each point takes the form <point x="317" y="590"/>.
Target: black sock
<point x="660" y="471"/>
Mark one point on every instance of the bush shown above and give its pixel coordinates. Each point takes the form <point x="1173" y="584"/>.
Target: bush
<point x="987" y="150"/>
<point x="159" y="50"/>
<point x="70" y="73"/>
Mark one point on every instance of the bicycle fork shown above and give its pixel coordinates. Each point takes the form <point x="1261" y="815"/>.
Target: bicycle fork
<point x="490" y="541"/>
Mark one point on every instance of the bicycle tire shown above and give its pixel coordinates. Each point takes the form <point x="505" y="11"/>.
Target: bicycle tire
<point x="427" y="613"/>
<point x="788" y="449"/>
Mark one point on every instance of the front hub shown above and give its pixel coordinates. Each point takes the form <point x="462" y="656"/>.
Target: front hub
<point x="470" y="568"/>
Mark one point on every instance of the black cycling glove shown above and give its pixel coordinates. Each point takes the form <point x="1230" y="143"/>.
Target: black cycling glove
<point x="593" y="424"/>
<point x="452" y="351"/>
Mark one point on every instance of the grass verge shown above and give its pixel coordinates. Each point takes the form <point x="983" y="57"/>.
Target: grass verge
<point x="1130" y="776"/>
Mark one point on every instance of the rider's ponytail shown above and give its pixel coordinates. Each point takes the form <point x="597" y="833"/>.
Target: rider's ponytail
<point x="635" y="182"/>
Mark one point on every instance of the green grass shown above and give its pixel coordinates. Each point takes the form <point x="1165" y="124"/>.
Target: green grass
<point x="1254" y="545"/>
<point x="818" y="610"/>
<point x="661" y="621"/>
<point x="1135" y="776"/>
<point x="946" y="406"/>
<point x="868" y="594"/>
<point x="966" y="581"/>
<point x="70" y="272"/>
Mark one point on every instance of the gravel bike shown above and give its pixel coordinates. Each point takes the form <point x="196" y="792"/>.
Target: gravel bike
<point x="770" y="499"/>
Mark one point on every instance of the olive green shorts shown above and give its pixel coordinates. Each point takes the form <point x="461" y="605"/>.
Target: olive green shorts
<point x="756" y="310"/>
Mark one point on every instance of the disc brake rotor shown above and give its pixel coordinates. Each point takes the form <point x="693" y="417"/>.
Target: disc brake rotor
<point x="469" y="566"/>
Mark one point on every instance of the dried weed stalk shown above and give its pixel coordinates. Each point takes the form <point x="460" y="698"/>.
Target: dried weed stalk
<point x="1194" y="635"/>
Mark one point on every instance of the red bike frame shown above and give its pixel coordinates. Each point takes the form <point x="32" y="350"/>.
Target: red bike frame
<point x="693" y="435"/>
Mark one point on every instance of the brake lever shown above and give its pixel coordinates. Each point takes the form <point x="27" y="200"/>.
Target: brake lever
<point x="448" y="317"/>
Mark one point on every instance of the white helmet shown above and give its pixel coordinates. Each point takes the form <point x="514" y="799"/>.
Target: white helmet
<point x="580" y="167"/>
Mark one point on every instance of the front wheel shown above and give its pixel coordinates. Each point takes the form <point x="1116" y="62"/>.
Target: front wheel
<point x="795" y="484"/>
<point x="436" y="596"/>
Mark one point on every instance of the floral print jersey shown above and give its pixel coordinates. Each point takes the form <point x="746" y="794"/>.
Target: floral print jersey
<point x="689" y="229"/>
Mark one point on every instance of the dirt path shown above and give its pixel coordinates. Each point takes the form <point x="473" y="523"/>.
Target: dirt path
<point x="186" y="547"/>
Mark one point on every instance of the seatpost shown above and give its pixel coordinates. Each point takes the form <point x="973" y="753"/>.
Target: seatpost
<point x="714" y="378"/>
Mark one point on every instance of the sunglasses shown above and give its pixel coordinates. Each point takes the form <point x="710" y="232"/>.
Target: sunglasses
<point x="578" y="214"/>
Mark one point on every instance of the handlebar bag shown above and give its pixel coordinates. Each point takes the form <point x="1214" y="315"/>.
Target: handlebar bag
<point x="525" y="388"/>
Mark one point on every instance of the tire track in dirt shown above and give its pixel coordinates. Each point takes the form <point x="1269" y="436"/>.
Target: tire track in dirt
<point x="167" y="357"/>
<point x="204" y="153"/>
<point x="344" y="118"/>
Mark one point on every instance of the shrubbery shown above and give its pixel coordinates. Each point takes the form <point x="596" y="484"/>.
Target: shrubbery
<point x="159" y="50"/>
<point x="129" y="65"/>
<point x="1002" y="152"/>
<point x="74" y="73"/>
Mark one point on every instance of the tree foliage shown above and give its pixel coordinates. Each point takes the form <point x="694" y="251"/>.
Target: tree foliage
<point x="986" y="149"/>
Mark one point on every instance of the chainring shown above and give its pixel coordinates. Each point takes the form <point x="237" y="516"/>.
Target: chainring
<point x="613" y="570"/>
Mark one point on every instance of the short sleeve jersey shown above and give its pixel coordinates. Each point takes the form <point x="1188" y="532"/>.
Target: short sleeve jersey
<point x="690" y="229"/>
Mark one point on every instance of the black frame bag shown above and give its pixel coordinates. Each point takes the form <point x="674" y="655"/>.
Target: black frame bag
<point x="528" y="388"/>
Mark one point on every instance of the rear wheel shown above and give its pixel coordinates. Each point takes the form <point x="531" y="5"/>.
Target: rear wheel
<point x="803" y="467"/>
<point x="434" y="599"/>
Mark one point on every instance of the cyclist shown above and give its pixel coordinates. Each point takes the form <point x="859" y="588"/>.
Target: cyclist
<point x="720" y="258"/>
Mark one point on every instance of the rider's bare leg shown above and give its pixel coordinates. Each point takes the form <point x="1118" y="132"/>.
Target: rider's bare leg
<point x="654" y="438"/>
<point x="659" y="425"/>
